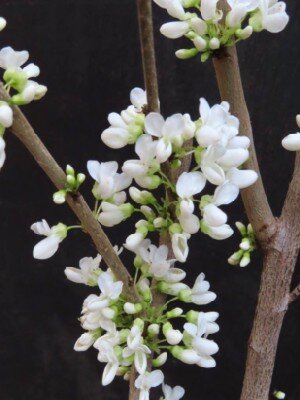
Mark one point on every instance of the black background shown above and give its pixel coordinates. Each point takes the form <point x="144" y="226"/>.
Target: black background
<point x="88" y="52"/>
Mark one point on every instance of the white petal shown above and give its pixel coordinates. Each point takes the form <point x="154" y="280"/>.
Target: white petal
<point x="138" y="98"/>
<point x="225" y="194"/>
<point x="220" y="232"/>
<point x="155" y="378"/>
<point x="31" y="70"/>
<point x="174" y="30"/>
<point x="275" y="23"/>
<point x="233" y="158"/>
<point x="292" y="142"/>
<point x="214" y="216"/>
<point x="109" y="373"/>
<point x="115" y="138"/>
<point x="242" y="178"/>
<point x="213" y="173"/>
<point x="189" y="184"/>
<point x="140" y="361"/>
<point x="154" y="123"/>
<point x="46" y="248"/>
<point x="6" y="115"/>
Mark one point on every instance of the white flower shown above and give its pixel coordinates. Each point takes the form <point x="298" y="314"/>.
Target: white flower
<point x="189" y="184"/>
<point x="136" y="347"/>
<point x="205" y="348"/>
<point x="101" y="318"/>
<point x="175" y="29"/>
<point x="86" y="271"/>
<point x="32" y="91"/>
<point x="173" y="7"/>
<point x="145" y="148"/>
<point x="273" y="15"/>
<point x="107" y="355"/>
<point x="110" y="291"/>
<point x="11" y="59"/>
<point x="225" y="194"/>
<point x="47" y="247"/>
<point x="180" y="246"/>
<point x="112" y="214"/>
<point x="108" y="182"/>
<point x="84" y="342"/>
<point x="291" y="142"/>
<point x="170" y="133"/>
<point x="126" y="127"/>
<point x="157" y="258"/>
<point x="6" y="115"/>
<point x="2" y="152"/>
<point x="148" y="380"/>
<point x="175" y="393"/>
<point x="199" y="294"/>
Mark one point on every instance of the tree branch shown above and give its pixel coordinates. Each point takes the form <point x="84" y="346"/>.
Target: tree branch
<point x="279" y="240"/>
<point x="25" y="133"/>
<point x="255" y="200"/>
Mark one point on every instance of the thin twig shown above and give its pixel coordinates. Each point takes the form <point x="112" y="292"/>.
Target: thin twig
<point x="22" y="129"/>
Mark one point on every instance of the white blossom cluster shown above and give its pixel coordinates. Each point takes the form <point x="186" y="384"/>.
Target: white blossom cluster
<point x="204" y="23"/>
<point x="113" y="326"/>
<point x="17" y="79"/>
<point x="126" y="333"/>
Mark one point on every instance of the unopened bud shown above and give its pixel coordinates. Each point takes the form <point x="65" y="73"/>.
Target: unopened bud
<point x="183" y="54"/>
<point x="176" y="312"/>
<point x="131" y="308"/>
<point x="279" y="395"/>
<point x="214" y="43"/>
<point x="153" y="330"/>
<point x="160" y="360"/>
<point x="59" y="197"/>
<point x="245" y="244"/>
<point x="80" y="178"/>
<point x="245" y="260"/>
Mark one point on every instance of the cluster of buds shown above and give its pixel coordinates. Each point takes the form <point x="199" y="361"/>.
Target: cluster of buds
<point x="72" y="185"/>
<point x="242" y="257"/>
<point x="209" y="27"/>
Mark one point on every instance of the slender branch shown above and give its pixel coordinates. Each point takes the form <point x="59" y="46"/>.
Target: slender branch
<point x="144" y="12"/>
<point x="294" y="294"/>
<point x="25" y="133"/>
<point x="231" y="90"/>
<point x="279" y="240"/>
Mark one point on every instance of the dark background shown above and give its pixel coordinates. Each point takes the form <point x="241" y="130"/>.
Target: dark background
<point x="88" y="52"/>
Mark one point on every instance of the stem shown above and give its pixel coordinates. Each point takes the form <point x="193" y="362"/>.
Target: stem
<point x="25" y="133"/>
<point x="279" y="241"/>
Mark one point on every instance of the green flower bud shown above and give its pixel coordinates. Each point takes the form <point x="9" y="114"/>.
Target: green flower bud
<point x="242" y="228"/>
<point x="15" y="78"/>
<point x="185" y="295"/>
<point x="176" y="312"/>
<point x="81" y="178"/>
<point x="175" y="228"/>
<point x="139" y="323"/>
<point x="70" y="170"/>
<point x="160" y="360"/>
<point x="60" y="230"/>
<point x="184" y="54"/>
<point x="205" y="56"/>
<point x="71" y="181"/>
<point x="137" y="262"/>
<point x="127" y="209"/>
<point x="235" y="258"/>
<point x="153" y="330"/>
<point x="279" y="395"/>
<point x="192" y="317"/>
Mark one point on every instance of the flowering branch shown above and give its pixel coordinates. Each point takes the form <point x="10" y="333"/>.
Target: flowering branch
<point x="25" y="133"/>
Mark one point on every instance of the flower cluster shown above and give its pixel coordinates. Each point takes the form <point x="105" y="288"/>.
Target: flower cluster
<point x="17" y="79"/>
<point x="292" y="141"/>
<point x="218" y="153"/>
<point x="242" y="257"/>
<point x="209" y="28"/>
<point x="127" y="333"/>
<point x="123" y="339"/>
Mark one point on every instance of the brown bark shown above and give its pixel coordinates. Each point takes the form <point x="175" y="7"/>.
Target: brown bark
<point x="279" y="240"/>
<point x="22" y="129"/>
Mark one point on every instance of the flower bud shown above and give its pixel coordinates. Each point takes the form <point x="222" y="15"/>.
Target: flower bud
<point x="160" y="222"/>
<point x="279" y="395"/>
<point x="185" y="295"/>
<point x="131" y="308"/>
<point x="192" y="316"/>
<point x="70" y="170"/>
<point x="235" y="258"/>
<point x="176" y="312"/>
<point x="175" y="228"/>
<point x="60" y="230"/>
<point x="160" y="360"/>
<point x="200" y="43"/>
<point x="241" y="227"/>
<point x="139" y="323"/>
<point x="59" y="197"/>
<point x="153" y="330"/>
<point x="214" y="43"/>
<point x="298" y="120"/>
<point x="188" y="356"/>
<point x="245" y="260"/>
<point x="245" y="244"/>
<point x="80" y="178"/>
<point x="184" y="54"/>
<point x="71" y="180"/>
<point x="244" y="33"/>
<point x="141" y="196"/>
<point x="84" y="342"/>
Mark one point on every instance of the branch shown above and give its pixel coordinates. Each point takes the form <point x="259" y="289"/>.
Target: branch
<point x="291" y="207"/>
<point x="231" y="90"/>
<point x="144" y="12"/>
<point x="294" y="294"/>
<point x="25" y="133"/>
